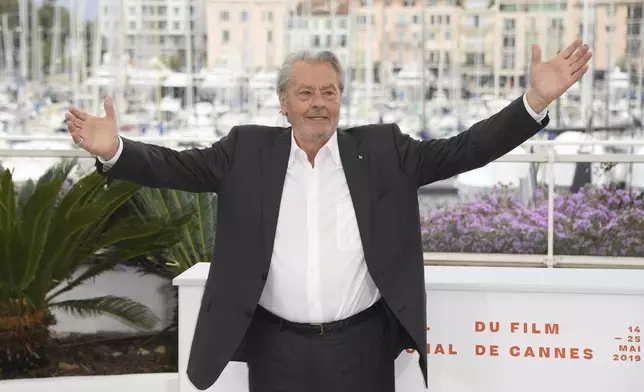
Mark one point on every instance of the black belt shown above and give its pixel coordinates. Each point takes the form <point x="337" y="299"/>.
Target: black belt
<point x="318" y="328"/>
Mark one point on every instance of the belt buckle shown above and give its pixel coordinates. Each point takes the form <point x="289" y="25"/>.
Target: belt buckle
<point x="321" y="328"/>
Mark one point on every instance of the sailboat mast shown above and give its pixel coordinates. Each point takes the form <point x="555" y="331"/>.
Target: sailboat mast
<point x="8" y="46"/>
<point x="189" y="67"/>
<point x="349" y="66"/>
<point x="96" y="61"/>
<point x="368" y="59"/>
<point x="73" y="21"/>
<point x="24" y="27"/>
<point x="423" y="66"/>
<point x="55" y="46"/>
<point x="34" y="41"/>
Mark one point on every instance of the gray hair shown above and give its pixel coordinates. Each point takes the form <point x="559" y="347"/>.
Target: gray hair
<point x="323" y="56"/>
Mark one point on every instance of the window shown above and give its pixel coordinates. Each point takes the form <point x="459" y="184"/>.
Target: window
<point x="474" y="58"/>
<point x="269" y="36"/>
<point x="508" y="60"/>
<point x="244" y="16"/>
<point x="508" y="42"/>
<point x="225" y="36"/>
<point x="633" y="46"/>
<point x="633" y="29"/>
<point x="223" y="16"/>
<point x="635" y="12"/>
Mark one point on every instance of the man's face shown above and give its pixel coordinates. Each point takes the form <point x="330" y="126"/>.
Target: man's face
<point x="312" y="100"/>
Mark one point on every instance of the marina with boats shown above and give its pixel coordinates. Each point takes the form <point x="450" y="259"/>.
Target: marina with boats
<point x="183" y="109"/>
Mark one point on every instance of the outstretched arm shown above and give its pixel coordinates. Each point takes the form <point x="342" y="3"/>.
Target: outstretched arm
<point x="191" y="170"/>
<point x="433" y="160"/>
<point x="490" y="139"/>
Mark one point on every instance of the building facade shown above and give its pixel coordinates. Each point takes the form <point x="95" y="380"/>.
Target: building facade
<point x="246" y="34"/>
<point x="165" y="29"/>
<point x="486" y="42"/>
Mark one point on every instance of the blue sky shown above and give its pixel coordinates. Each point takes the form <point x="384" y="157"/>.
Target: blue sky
<point x="91" y="7"/>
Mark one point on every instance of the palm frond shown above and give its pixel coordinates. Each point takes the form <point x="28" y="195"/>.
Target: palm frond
<point x="34" y="229"/>
<point x="59" y="171"/>
<point x="198" y="234"/>
<point x="8" y="225"/>
<point x="125" y="309"/>
<point x="147" y="239"/>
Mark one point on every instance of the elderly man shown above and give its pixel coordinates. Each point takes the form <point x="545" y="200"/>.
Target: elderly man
<point x="317" y="276"/>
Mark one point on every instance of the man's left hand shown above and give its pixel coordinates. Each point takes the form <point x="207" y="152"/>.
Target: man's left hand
<point x="551" y="79"/>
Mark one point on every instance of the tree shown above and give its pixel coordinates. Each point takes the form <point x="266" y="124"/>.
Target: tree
<point x="173" y="62"/>
<point x="46" y="15"/>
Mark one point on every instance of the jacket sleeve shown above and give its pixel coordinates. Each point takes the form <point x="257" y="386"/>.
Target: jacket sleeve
<point x="428" y="161"/>
<point x="192" y="170"/>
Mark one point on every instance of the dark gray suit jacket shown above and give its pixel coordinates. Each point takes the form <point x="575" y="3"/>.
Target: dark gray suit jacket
<point x="384" y="169"/>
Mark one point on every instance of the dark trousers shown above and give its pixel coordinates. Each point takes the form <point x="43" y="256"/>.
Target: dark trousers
<point x="356" y="358"/>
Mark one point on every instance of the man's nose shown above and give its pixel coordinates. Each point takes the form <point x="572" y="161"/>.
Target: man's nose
<point x="317" y="100"/>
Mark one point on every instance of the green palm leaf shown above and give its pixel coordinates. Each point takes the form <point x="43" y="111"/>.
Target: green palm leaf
<point x="124" y="309"/>
<point x="197" y="236"/>
<point x="47" y="235"/>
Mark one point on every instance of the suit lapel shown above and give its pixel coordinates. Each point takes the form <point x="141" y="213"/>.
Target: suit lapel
<point x="356" y="169"/>
<point x="274" y="165"/>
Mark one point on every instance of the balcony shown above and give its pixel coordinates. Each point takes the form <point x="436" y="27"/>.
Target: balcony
<point x="546" y="275"/>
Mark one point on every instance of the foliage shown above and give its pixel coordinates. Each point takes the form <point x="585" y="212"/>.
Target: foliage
<point x="594" y="221"/>
<point x="47" y="233"/>
<point x="173" y="62"/>
<point x="197" y="236"/>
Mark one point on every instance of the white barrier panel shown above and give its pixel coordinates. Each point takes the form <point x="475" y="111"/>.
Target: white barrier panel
<point x="500" y="330"/>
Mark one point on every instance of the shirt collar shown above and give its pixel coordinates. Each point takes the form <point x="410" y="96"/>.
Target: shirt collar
<point x="331" y="145"/>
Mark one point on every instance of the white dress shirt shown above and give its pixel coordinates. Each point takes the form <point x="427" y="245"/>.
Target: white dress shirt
<point x="318" y="271"/>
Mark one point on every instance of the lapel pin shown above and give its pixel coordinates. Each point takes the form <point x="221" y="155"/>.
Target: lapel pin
<point x="359" y="156"/>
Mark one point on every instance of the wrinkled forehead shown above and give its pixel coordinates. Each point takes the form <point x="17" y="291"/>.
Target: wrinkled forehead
<point x="317" y="76"/>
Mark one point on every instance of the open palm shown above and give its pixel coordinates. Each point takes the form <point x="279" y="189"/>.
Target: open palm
<point x="552" y="78"/>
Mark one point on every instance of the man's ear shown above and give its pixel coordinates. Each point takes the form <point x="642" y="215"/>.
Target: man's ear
<point x="282" y="104"/>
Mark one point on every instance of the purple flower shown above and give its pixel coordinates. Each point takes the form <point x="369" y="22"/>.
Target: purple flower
<point x="596" y="221"/>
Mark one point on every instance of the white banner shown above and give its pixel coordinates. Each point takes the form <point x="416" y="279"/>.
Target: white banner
<point x="529" y="342"/>
<point x="509" y="330"/>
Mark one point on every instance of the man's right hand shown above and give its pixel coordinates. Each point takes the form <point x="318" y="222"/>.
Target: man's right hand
<point x="96" y="135"/>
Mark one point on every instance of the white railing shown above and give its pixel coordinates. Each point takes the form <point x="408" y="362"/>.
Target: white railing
<point x="547" y="156"/>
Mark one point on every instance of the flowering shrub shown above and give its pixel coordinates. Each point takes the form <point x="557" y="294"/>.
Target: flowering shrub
<point x="593" y="222"/>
